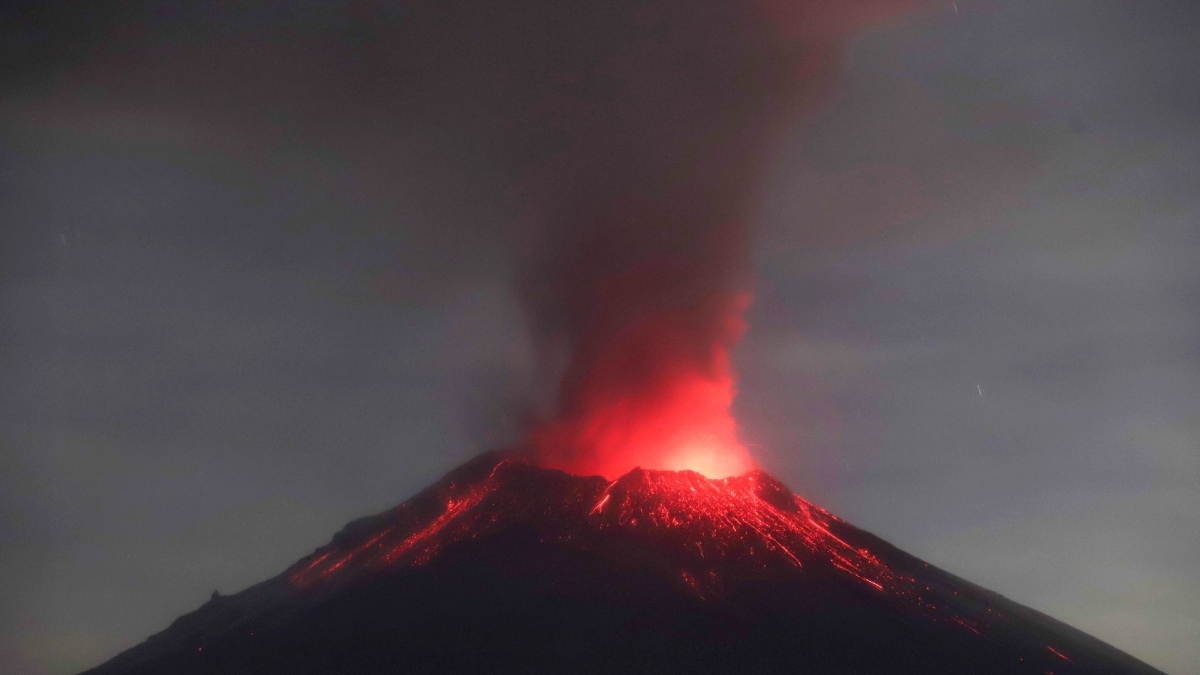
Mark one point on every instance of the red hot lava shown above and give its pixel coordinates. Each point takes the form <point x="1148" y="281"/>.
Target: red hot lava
<point x="706" y="528"/>
<point x="650" y="397"/>
<point x="710" y="537"/>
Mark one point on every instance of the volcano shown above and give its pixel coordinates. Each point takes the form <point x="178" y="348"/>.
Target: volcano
<point x="503" y="566"/>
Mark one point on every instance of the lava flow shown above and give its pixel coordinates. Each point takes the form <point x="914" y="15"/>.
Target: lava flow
<point x="503" y="561"/>
<point x="707" y="537"/>
<point x="704" y="531"/>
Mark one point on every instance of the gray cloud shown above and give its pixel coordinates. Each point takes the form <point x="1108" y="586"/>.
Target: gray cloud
<point x="1004" y="378"/>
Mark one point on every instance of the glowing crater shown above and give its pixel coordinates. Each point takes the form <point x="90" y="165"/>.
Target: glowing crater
<point x="705" y="526"/>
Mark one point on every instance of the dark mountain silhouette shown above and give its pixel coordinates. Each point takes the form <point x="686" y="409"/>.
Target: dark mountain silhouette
<point x="506" y="567"/>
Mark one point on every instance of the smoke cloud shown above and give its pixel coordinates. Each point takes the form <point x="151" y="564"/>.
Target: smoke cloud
<point x="639" y="269"/>
<point x="610" y="152"/>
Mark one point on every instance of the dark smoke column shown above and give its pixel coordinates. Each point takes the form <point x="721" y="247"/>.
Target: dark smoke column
<point x="660" y="118"/>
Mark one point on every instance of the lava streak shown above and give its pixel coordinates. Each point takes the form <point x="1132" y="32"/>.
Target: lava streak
<point x="706" y="528"/>
<point x="751" y="517"/>
<point x="708" y="537"/>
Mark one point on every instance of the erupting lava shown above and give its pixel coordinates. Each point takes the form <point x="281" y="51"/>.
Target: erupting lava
<point x="687" y="427"/>
<point x="649" y="396"/>
<point x="707" y="528"/>
<point x="503" y="566"/>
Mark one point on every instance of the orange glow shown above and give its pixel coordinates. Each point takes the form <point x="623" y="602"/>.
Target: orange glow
<point x="648" y="400"/>
<point x="689" y="427"/>
<point x="1059" y="654"/>
<point x="707" y="536"/>
<point x="705" y="524"/>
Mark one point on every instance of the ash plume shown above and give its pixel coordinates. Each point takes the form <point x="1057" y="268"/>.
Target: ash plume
<point x="613" y="149"/>
<point x="638" y="269"/>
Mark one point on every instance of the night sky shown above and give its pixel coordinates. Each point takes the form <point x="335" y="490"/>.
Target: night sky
<point x="261" y="272"/>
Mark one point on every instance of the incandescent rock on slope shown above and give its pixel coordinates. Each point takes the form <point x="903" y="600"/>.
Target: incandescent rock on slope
<point x="505" y="567"/>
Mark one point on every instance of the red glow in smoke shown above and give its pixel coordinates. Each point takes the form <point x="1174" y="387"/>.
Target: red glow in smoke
<point x="643" y="286"/>
<point x="651" y="397"/>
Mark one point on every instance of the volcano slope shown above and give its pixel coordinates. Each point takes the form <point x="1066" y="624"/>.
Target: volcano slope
<point x="505" y="567"/>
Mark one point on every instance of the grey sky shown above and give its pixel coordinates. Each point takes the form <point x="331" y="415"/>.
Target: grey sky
<point x="976" y="331"/>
